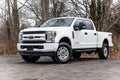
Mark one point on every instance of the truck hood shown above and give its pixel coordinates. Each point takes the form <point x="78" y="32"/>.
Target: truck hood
<point x="45" y="29"/>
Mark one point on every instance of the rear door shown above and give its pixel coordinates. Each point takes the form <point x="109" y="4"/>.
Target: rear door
<point x="90" y="34"/>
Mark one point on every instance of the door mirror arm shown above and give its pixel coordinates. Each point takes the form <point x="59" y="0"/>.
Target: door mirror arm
<point x="76" y="28"/>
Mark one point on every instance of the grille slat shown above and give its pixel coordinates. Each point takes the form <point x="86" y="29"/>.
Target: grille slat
<point x="34" y="32"/>
<point x="34" y="42"/>
<point x="32" y="47"/>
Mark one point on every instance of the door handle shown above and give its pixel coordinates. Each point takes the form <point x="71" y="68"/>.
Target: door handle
<point x="95" y="34"/>
<point x="86" y="33"/>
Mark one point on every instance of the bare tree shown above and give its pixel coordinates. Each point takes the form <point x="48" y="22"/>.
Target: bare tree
<point x="11" y="20"/>
<point x="58" y="8"/>
<point x="81" y="8"/>
<point x="45" y="10"/>
<point x="40" y="8"/>
<point x="97" y="10"/>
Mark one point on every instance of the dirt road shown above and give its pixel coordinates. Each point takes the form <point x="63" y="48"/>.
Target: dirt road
<point x="14" y="68"/>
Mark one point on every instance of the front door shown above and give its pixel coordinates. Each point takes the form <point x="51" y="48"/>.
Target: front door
<point x="85" y="38"/>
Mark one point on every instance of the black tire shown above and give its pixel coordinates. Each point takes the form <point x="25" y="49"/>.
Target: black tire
<point x="76" y="55"/>
<point x="63" y="53"/>
<point x="104" y="51"/>
<point x="30" y="58"/>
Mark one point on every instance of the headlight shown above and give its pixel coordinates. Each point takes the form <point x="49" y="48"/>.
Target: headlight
<point x="20" y="37"/>
<point x="50" y="36"/>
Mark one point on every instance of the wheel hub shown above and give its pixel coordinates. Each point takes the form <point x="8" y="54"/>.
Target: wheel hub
<point x="105" y="52"/>
<point x="63" y="53"/>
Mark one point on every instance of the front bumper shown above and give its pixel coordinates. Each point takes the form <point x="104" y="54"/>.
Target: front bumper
<point x="45" y="49"/>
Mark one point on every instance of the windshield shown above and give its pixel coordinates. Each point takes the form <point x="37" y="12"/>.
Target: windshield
<point x="58" y="22"/>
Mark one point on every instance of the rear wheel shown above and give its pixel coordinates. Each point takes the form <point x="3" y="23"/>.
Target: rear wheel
<point x="76" y="55"/>
<point x="30" y="58"/>
<point x="63" y="53"/>
<point x="104" y="51"/>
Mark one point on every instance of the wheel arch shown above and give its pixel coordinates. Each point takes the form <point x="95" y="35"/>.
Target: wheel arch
<point x="106" y="41"/>
<point x="65" y="39"/>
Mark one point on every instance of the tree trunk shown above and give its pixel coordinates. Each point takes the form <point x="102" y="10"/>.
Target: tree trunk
<point x="45" y="10"/>
<point x="9" y="22"/>
<point x="98" y="13"/>
<point x="15" y="20"/>
<point x="55" y="8"/>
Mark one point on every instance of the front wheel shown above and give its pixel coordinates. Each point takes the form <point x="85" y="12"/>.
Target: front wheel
<point x="103" y="52"/>
<point x="63" y="53"/>
<point x="30" y="58"/>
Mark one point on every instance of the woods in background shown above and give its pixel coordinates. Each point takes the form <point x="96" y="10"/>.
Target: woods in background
<point x="16" y="15"/>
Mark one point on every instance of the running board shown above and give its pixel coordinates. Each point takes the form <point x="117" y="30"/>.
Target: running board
<point x="84" y="50"/>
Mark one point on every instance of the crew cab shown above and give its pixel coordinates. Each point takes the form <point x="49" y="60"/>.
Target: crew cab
<point x="63" y="38"/>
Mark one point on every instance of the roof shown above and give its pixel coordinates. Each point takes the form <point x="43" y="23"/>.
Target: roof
<point x="70" y="17"/>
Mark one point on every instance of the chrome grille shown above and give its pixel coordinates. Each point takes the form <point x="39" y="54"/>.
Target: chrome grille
<point x="34" y="37"/>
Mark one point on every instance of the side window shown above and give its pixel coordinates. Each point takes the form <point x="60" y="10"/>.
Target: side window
<point x="88" y="24"/>
<point x="77" y="22"/>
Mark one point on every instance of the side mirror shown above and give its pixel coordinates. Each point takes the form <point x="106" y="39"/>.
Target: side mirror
<point x="82" y="26"/>
<point x="76" y="28"/>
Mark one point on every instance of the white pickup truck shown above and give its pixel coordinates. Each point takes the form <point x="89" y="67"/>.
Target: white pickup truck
<point x="63" y="38"/>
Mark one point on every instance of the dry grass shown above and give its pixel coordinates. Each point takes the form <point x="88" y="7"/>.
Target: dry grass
<point x="114" y="55"/>
<point x="9" y="52"/>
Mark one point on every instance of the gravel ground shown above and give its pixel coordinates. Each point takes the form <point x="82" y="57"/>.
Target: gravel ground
<point x="14" y="68"/>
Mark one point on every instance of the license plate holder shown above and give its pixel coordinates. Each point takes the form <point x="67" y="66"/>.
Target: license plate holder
<point x="30" y="48"/>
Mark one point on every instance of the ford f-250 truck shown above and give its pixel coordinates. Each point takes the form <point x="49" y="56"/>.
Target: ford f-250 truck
<point x="62" y="38"/>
